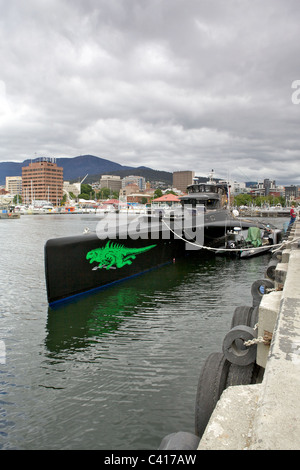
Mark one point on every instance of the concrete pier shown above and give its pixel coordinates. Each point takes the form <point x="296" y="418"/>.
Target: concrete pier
<point x="266" y="415"/>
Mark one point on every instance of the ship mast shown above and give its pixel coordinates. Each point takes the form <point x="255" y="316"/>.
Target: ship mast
<point x="211" y="174"/>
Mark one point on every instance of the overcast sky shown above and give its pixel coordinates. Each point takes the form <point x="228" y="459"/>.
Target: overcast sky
<point x="169" y="84"/>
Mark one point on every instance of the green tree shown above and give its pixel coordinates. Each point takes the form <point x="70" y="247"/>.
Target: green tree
<point x="17" y="199"/>
<point x="103" y="193"/>
<point x="243" y="200"/>
<point x="64" y="199"/>
<point x="87" y="192"/>
<point x="170" y="192"/>
<point x="84" y="196"/>
<point x="86" y="189"/>
<point x="157" y="193"/>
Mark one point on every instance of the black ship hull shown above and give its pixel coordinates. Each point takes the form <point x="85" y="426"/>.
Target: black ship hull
<point x="80" y="264"/>
<point x="70" y="273"/>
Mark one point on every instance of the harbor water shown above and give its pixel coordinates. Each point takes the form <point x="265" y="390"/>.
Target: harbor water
<point x="115" y="370"/>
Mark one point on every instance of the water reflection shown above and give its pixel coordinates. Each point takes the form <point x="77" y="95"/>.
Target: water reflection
<point x="74" y="324"/>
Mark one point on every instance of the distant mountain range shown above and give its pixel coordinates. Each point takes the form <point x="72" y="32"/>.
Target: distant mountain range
<point x="76" y="168"/>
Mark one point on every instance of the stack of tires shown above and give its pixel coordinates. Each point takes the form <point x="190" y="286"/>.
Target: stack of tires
<point x="235" y="365"/>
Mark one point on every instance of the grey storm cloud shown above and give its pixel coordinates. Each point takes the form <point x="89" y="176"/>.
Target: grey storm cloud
<point x="169" y="84"/>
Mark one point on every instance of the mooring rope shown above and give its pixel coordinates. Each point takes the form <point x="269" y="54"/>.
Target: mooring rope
<point x="258" y="340"/>
<point x="282" y="244"/>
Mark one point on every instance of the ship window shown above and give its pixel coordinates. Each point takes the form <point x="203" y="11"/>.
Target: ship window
<point x="211" y="203"/>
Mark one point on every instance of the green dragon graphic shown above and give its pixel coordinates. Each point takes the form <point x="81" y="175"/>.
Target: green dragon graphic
<point x="113" y="254"/>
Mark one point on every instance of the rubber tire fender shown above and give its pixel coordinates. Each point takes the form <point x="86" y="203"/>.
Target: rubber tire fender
<point x="240" y="375"/>
<point x="211" y="384"/>
<point x="270" y="270"/>
<point x="233" y="345"/>
<point x="179" y="441"/>
<point x="242" y="316"/>
<point x="258" y="289"/>
<point x="254" y="317"/>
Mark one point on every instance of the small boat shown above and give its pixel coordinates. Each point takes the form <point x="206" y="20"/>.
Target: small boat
<point x="254" y="241"/>
<point x="8" y="213"/>
<point x="119" y="250"/>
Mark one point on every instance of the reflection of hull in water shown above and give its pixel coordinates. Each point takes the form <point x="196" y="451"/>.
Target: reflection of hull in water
<point x="78" y="264"/>
<point x="75" y="324"/>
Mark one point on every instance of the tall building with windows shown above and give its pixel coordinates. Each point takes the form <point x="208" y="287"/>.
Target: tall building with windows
<point x="291" y="193"/>
<point x="138" y="180"/>
<point x="112" y="182"/>
<point x="268" y="185"/>
<point x="42" y="180"/>
<point x="13" y="184"/>
<point x="182" y="179"/>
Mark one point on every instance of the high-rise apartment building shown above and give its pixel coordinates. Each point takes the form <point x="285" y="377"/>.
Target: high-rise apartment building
<point x="112" y="182"/>
<point x="268" y="185"/>
<point x="182" y="179"/>
<point x="13" y="184"/>
<point x="138" y="180"/>
<point x="42" y="180"/>
<point x="291" y="192"/>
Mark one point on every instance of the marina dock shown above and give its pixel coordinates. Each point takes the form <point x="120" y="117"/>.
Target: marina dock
<point x="266" y="415"/>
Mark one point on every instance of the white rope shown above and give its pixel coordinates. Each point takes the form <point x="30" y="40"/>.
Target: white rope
<point x="261" y="339"/>
<point x="258" y="340"/>
<point x="227" y="249"/>
<point x="286" y="242"/>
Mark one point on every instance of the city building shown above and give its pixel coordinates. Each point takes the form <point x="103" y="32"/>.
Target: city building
<point x="114" y="183"/>
<point x="269" y="185"/>
<point x="291" y="193"/>
<point x="13" y="184"/>
<point x="42" y="180"/>
<point x="182" y="179"/>
<point x="137" y="180"/>
<point x="3" y="191"/>
<point x="235" y="187"/>
<point x="129" y="189"/>
<point x="74" y="188"/>
<point x="140" y="198"/>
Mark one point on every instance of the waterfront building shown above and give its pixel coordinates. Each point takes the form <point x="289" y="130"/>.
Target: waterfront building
<point x="74" y="188"/>
<point x="139" y="181"/>
<point x="140" y="198"/>
<point x="112" y="182"/>
<point x="13" y="184"/>
<point x="42" y="180"/>
<point x="269" y="185"/>
<point x="182" y="179"/>
<point x="291" y="193"/>
<point x="129" y="189"/>
<point x="235" y="187"/>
